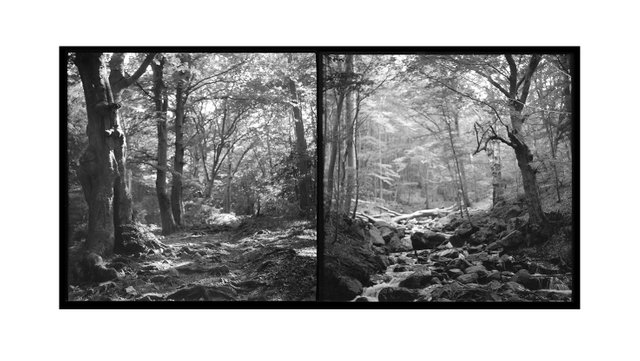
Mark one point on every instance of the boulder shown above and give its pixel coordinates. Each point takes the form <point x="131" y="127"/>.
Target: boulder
<point x="459" y="263"/>
<point x="404" y="260"/>
<point x="375" y="237"/>
<point x="400" y="268"/>
<point x="511" y="240"/>
<point x="468" y="278"/>
<point x="419" y="279"/>
<point x="482" y="272"/>
<point x="223" y="221"/>
<point x="455" y="272"/>
<point x="523" y="277"/>
<point x="386" y="233"/>
<point x="344" y="288"/>
<point x="379" y="223"/>
<point x="494" y="276"/>
<point x="475" y="269"/>
<point x="478" y="257"/>
<point x="427" y="239"/>
<point x="482" y="236"/>
<point x="395" y="294"/>
<point x="384" y="260"/>
<point x="399" y="245"/>
<point x="463" y="234"/>
<point x="344" y="277"/>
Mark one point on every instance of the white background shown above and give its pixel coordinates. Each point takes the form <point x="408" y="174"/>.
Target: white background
<point x="33" y="328"/>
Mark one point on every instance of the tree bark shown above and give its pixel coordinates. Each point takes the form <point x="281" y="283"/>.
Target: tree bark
<point x="523" y="153"/>
<point x="462" y="189"/>
<point x="98" y="164"/>
<point x="496" y="171"/>
<point x="178" y="160"/>
<point x="350" y="168"/>
<point x="160" y="98"/>
<point x="227" y="194"/>
<point x="118" y="82"/>
<point x="302" y="158"/>
<point x="335" y="138"/>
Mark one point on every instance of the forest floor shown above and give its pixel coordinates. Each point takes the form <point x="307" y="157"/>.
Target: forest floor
<point x="443" y="259"/>
<point x="265" y="259"/>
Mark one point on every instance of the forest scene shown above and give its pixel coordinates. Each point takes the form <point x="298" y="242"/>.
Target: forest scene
<point x="191" y="176"/>
<point x="448" y="177"/>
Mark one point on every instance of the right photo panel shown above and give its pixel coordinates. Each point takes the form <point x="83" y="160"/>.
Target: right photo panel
<point x="449" y="177"/>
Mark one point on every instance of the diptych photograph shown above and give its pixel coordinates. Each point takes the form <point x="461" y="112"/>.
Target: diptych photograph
<point x="319" y="177"/>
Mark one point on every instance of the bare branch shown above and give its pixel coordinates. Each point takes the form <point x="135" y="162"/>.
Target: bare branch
<point x="143" y="67"/>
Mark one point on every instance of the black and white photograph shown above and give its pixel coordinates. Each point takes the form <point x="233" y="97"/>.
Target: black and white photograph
<point x="449" y="177"/>
<point x="189" y="176"/>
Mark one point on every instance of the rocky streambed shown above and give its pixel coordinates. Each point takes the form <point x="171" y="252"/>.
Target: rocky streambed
<point x="468" y="274"/>
<point x="446" y="259"/>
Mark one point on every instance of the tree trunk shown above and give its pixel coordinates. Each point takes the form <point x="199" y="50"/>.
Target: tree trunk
<point x="524" y="158"/>
<point x="496" y="171"/>
<point x="98" y="164"/>
<point x="426" y="186"/>
<point x="567" y="62"/>
<point x="350" y="160"/>
<point x="160" y="98"/>
<point x="178" y="160"/>
<point x="553" y="144"/>
<point x="462" y="191"/>
<point x="227" y="194"/>
<point x="303" y="161"/>
<point x="118" y="82"/>
<point x="334" y="152"/>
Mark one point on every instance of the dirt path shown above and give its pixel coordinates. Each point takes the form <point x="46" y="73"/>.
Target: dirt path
<point x="269" y="259"/>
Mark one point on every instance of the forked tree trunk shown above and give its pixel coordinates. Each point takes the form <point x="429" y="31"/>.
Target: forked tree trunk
<point x="160" y="98"/>
<point x="98" y="164"/>
<point x="119" y="81"/>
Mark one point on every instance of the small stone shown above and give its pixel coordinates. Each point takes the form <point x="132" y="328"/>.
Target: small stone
<point x="455" y="272"/>
<point x="468" y="278"/>
<point x="400" y="269"/>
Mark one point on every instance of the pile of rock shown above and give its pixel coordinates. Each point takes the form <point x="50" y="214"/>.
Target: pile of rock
<point x="475" y="274"/>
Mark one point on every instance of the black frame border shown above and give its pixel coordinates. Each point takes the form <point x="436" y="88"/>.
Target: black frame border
<point x="320" y="52"/>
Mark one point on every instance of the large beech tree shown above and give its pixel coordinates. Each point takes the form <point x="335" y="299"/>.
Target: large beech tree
<point x="99" y="166"/>
<point x="512" y="78"/>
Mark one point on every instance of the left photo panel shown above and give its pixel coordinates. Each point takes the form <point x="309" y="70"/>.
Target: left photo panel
<point x="188" y="176"/>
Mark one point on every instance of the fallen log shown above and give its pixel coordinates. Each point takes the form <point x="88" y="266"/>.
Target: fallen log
<point x="393" y="213"/>
<point x="435" y="212"/>
<point x="366" y="217"/>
